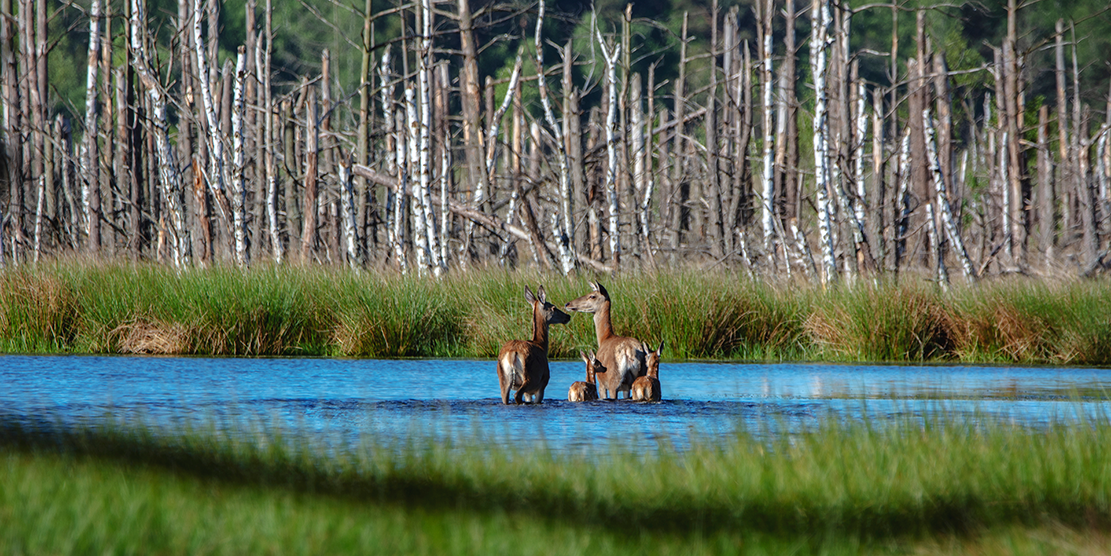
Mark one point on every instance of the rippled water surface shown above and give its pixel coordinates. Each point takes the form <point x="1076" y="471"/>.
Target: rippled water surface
<point x="341" y="401"/>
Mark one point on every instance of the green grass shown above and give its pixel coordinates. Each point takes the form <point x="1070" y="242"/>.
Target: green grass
<point x="70" y="307"/>
<point x="839" y="489"/>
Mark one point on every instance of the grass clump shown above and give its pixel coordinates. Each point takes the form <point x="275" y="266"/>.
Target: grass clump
<point x="136" y="308"/>
<point x="839" y="488"/>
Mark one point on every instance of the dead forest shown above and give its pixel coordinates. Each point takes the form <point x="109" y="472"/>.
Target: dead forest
<point x="763" y="148"/>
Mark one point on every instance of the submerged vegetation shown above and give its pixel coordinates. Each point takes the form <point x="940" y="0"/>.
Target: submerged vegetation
<point x="926" y="488"/>
<point x="69" y="307"/>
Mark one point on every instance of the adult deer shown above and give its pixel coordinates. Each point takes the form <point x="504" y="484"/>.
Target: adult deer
<point x="587" y="391"/>
<point x="523" y="365"/>
<point x="647" y="388"/>
<point x="622" y="357"/>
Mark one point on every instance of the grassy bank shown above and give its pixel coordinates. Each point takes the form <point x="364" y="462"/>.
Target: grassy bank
<point x="120" y="308"/>
<point x="938" y="489"/>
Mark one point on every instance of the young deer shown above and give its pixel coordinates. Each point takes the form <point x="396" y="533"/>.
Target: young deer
<point x="586" y="391"/>
<point x="523" y="365"/>
<point x="622" y="357"/>
<point x="647" y="388"/>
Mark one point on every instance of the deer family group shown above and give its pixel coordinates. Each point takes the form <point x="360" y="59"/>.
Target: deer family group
<point x="621" y="364"/>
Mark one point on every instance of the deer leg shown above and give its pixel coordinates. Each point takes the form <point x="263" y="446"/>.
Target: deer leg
<point x="504" y="384"/>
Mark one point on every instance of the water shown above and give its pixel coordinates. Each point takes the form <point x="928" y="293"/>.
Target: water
<point x="342" y="401"/>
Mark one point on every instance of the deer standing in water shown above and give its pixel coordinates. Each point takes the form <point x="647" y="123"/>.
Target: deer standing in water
<point x="647" y="388"/>
<point x="586" y="391"/>
<point x="523" y="365"/>
<point x="622" y="357"/>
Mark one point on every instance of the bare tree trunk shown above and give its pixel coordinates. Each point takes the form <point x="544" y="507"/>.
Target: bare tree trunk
<point x="611" y="147"/>
<point x="767" y="211"/>
<point x="1047" y="217"/>
<point x="1014" y="115"/>
<point x="169" y="176"/>
<point x="424" y="71"/>
<point x="308" y="206"/>
<point x="942" y="200"/>
<point x="239" y="182"/>
<point x="91" y="190"/>
<point x="215" y="139"/>
<point x="563" y="232"/>
<point x="9" y="97"/>
<point x="819" y="45"/>
<point x="675" y="199"/>
<point x="879" y="229"/>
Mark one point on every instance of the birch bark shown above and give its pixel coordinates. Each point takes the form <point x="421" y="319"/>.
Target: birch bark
<point x="610" y="53"/>
<point x="819" y="45"/>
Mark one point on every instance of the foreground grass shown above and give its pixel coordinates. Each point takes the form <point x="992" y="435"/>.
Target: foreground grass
<point x="123" y="308"/>
<point x="898" y="488"/>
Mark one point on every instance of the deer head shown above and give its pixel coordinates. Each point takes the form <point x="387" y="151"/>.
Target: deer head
<point x="652" y="360"/>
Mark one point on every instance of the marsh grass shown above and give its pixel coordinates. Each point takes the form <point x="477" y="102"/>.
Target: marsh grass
<point x="127" y="308"/>
<point x="839" y="488"/>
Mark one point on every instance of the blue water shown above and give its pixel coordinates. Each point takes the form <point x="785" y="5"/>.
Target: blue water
<point x="343" y="401"/>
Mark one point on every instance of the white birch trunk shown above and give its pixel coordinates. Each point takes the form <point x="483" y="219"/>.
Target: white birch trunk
<point x="91" y="114"/>
<point x="858" y="151"/>
<point x="38" y="216"/>
<point x="215" y="142"/>
<point x="767" y="212"/>
<point x="269" y="143"/>
<point x="492" y="132"/>
<point x="424" y="69"/>
<point x="445" y="200"/>
<point x="401" y="145"/>
<point x="819" y="44"/>
<point x="395" y="160"/>
<point x="238" y="182"/>
<point x="347" y="199"/>
<point x="169" y="175"/>
<point x="416" y="194"/>
<point x="611" y="148"/>
<point x="935" y="244"/>
<point x="563" y="241"/>
<point x="942" y="201"/>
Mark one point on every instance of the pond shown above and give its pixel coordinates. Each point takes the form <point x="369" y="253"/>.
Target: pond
<point x="342" y="401"/>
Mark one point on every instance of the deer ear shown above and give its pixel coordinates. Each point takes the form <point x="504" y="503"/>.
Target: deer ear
<point x="583" y="355"/>
<point x="660" y="350"/>
<point x="594" y="286"/>
<point x="541" y="295"/>
<point x="529" y="297"/>
<point x="602" y="291"/>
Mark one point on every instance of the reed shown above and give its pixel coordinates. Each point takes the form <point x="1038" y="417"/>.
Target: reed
<point x="839" y="488"/>
<point x="134" y="308"/>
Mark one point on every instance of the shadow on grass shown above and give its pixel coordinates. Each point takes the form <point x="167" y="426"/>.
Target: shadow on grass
<point x="404" y="480"/>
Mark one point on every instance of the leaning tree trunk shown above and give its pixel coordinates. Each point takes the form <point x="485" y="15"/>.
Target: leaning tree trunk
<point x="169" y="175"/>
<point x="563" y="230"/>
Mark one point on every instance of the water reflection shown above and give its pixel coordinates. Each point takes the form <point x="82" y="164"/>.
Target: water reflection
<point x="340" y="401"/>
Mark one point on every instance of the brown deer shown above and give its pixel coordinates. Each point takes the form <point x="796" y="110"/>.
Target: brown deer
<point x="622" y="357"/>
<point x="586" y="391"/>
<point x="647" y="388"/>
<point x="523" y="365"/>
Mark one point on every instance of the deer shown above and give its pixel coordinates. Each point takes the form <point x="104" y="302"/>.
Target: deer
<point x="586" y="391"/>
<point x="647" y="388"/>
<point x="622" y="357"/>
<point x="523" y="364"/>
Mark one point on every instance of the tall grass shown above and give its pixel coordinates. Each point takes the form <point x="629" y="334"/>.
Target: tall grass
<point x="840" y="488"/>
<point x="127" y="308"/>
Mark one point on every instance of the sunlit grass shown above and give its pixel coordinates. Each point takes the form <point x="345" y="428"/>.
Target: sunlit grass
<point x="932" y="487"/>
<point x="135" y="308"/>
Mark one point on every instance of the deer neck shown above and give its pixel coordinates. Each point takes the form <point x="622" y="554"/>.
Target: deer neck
<point x="590" y="377"/>
<point x="540" y="330"/>
<point x="602" y="325"/>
